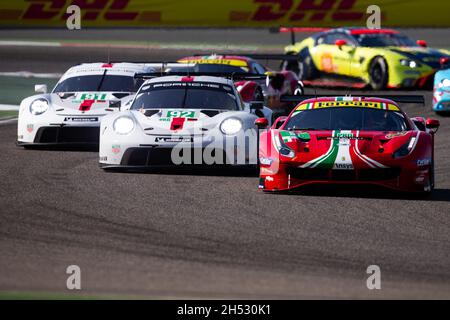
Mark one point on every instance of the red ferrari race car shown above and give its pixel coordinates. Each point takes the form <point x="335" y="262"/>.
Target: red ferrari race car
<point x="348" y="140"/>
<point x="278" y="83"/>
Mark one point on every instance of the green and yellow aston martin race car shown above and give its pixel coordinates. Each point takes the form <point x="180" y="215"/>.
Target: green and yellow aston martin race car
<point x="381" y="58"/>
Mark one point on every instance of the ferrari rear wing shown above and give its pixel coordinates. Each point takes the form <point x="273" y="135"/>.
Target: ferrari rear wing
<point x="401" y="99"/>
<point x="233" y="76"/>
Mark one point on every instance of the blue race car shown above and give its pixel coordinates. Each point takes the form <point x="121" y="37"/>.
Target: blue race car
<point x="441" y="92"/>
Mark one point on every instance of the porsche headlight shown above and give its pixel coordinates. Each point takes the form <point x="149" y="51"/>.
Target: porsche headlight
<point x="38" y="106"/>
<point x="409" y="63"/>
<point x="123" y="125"/>
<point x="231" y="126"/>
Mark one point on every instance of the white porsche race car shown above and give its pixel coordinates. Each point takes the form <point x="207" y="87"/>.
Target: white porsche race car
<point x="182" y="120"/>
<point x="71" y="113"/>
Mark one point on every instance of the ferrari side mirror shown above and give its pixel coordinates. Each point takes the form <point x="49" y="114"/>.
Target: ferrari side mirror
<point x="432" y="125"/>
<point x="261" y="123"/>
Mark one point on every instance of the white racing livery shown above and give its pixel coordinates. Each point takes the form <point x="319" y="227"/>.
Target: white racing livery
<point x="182" y="120"/>
<point x="71" y="113"/>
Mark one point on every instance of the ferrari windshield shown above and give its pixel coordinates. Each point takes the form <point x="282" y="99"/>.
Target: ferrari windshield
<point x="189" y="95"/>
<point x="347" y="118"/>
<point x="100" y="82"/>
<point x="384" y="40"/>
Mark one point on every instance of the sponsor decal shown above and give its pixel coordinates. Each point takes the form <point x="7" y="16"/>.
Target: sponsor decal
<point x="345" y="135"/>
<point x="174" y="139"/>
<point x="341" y="102"/>
<point x="397" y="134"/>
<point x="269" y="178"/>
<point x="105" y="158"/>
<point x="423" y="162"/>
<point x="78" y="119"/>
<point x="244" y="13"/>
<point x="30" y="128"/>
<point x="265" y="161"/>
<point x="288" y="136"/>
<point x="230" y="62"/>
<point x="327" y="63"/>
<point x="115" y="148"/>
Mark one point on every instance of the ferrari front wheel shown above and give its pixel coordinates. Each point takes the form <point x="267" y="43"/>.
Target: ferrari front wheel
<point x="378" y="73"/>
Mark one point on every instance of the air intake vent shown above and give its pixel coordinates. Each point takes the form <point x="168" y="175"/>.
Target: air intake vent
<point x="210" y="113"/>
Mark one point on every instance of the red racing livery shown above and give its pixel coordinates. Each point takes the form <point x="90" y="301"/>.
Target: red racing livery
<point x="348" y="140"/>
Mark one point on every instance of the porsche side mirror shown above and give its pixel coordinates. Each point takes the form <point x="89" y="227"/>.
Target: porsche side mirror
<point x="261" y="123"/>
<point x="340" y="42"/>
<point x="40" y="88"/>
<point x="432" y="125"/>
<point x="256" y="105"/>
<point x="422" y="43"/>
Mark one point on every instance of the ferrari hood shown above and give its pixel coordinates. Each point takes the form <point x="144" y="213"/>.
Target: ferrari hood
<point x="428" y="56"/>
<point x="84" y="102"/>
<point x="344" y="149"/>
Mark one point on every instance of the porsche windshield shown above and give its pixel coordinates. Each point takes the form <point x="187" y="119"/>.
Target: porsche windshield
<point x="100" y="82"/>
<point x="189" y="95"/>
<point x="384" y="40"/>
<point x="347" y="118"/>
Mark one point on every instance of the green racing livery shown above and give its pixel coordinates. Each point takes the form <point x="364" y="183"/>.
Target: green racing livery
<point x="381" y="58"/>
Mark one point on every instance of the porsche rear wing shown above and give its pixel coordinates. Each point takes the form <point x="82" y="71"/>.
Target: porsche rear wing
<point x="233" y="76"/>
<point x="400" y="99"/>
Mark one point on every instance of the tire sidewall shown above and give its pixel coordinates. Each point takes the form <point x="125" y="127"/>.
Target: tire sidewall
<point x="378" y="84"/>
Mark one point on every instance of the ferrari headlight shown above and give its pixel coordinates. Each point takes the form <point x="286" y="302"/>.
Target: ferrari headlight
<point x="282" y="148"/>
<point x="445" y="83"/>
<point x="409" y="63"/>
<point x="38" y="106"/>
<point x="231" y="126"/>
<point x="405" y="149"/>
<point x="123" y="125"/>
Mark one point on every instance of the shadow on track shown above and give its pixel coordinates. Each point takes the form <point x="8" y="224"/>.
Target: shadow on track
<point x="69" y="148"/>
<point x="369" y="192"/>
<point x="219" y="171"/>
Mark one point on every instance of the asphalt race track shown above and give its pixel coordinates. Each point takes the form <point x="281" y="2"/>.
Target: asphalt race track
<point x="206" y="234"/>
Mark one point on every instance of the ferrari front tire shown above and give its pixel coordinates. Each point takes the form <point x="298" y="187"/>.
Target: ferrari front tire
<point x="378" y="73"/>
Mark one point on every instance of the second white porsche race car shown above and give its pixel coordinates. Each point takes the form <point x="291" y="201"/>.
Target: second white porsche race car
<point x="71" y="113"/>
<point x="182" y="120"/>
